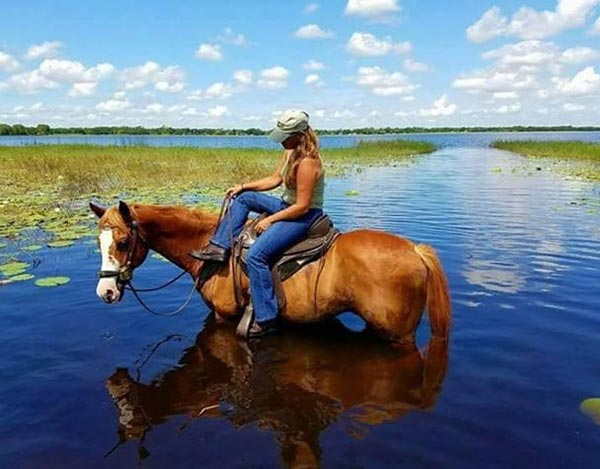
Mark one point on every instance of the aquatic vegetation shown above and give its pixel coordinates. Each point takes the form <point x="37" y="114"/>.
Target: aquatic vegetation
<point x="13" y="268"/>
<point x="48" y="187"/>
<point x="52" y="281"/>
<point x="591" y="408"/>
<point x="352" y="192"/>
<point x="60" y="243"/>
<point x="574" y="158"/>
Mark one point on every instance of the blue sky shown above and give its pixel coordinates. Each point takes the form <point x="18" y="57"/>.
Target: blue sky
<point x="349" y="63"/>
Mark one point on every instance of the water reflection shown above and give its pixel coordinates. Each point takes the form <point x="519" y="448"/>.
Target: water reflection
<point x="294" y="385"/>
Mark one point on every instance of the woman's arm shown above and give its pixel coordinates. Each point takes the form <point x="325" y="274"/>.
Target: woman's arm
<point x="268" y="183"/>
<point x="306" y="178"/>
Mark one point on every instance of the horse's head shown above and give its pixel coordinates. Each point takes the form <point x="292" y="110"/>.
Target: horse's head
<point x="122" y="246"/>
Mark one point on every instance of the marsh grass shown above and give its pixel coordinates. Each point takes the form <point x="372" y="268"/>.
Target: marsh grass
<point x="578" y="159"/>
<point x="49" y="186"/>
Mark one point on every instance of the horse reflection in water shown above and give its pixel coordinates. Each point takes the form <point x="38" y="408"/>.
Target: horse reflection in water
<point x="294" y="385"/>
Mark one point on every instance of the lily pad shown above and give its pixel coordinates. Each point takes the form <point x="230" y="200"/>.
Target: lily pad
<point x="21" y="277"/>
<point x="591" y="408"/>
<point x="52" y="281"/>
<point x="3" y="245"/>
<point x="33" y="247"/>
<point x="352" y="193"/>
<point x="13" y="268"/>
<point x="61" y="243"/>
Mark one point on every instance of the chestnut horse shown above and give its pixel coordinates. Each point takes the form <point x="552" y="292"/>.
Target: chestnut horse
<point x="385" y="279"/>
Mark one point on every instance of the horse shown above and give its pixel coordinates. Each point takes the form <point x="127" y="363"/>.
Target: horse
<point x="311" y="378"/>
<point x="385" y="279"/>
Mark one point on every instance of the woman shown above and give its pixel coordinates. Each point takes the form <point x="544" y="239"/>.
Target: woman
<point x="300" y="170"/>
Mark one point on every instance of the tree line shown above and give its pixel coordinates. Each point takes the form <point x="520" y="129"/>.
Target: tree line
<point x="44" y="129"/>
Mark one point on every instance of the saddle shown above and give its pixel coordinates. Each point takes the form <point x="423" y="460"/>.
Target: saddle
<point x="319" y="239"/>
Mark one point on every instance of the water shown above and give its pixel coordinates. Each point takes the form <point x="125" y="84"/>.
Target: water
<point x="482" y="139"/>
<point x="521" y="249"/>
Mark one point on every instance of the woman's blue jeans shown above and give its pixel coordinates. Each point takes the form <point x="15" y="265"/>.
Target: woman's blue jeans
<point x="267" y="248"/>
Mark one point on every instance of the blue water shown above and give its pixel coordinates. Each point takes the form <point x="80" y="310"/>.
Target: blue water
<point x="521" y="249"/>
<point x="482" y="139"/>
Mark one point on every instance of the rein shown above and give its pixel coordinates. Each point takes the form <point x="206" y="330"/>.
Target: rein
<point x="124" y="276"/>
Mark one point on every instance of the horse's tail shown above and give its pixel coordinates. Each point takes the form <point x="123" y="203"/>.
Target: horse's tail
<point x="438" y="298"/>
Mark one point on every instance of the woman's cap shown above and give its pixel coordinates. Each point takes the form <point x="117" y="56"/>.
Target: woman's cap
<point x="289" y="123"/>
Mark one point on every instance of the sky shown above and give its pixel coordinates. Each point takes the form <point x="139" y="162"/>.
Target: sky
<point x="348" y="63"/>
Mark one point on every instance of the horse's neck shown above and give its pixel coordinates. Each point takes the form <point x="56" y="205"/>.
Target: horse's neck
<point x="175" y="231"/>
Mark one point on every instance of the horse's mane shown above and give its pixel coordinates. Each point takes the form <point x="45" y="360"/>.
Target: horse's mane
<point x="189" y="217"/>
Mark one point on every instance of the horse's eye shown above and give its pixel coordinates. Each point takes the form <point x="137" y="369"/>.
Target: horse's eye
<point x="122" y="244"/>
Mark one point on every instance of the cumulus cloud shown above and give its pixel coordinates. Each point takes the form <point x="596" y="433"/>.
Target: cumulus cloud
<point x="584" y="83"/>
<point x="382" y="83"/>
<point x="7" y="62"/>
<point x="571" y="107"/>
<point x="313" y="80"/>
<point x="168" y="79"/>
<point x="311" y="8"/>
<point x="218" y="111"/>
<point x="411" y="65"/>
<point x="313" y="65"/>
<point x="209" y="52"/>
<point x="528" y="23"/>
<point x="243" y="76"/>
<point x="367" y="45"/>
<point x="372" y="9"/>
<point x="273" y="78"/>
<point x="494" y="80"/>
<point x="231" y="37"/>
<point x="45" y="50"/>
<point x="82" y="89"/>
<point x="312" y="31"/>
<point x="508" y="108"/>
<point x="441" y="107"/>
<point x="596" y="28"/>
<point x="113" y="105"/>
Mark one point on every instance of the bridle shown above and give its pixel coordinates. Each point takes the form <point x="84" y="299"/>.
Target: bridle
<point x="124" y="275"/>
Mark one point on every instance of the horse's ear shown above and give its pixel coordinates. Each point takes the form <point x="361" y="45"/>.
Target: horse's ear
<point x="125" y="212"/>
<point x="97" y="209"/>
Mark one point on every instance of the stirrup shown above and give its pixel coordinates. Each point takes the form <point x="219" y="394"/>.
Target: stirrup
<point x="246" y="321"/>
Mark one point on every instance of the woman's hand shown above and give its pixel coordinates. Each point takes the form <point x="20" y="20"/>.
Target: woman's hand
<point x="234" y="190"/>
<point x="263" y="225"/>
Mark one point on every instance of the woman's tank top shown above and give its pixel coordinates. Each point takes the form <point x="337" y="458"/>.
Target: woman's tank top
<point x="289" y="193"/>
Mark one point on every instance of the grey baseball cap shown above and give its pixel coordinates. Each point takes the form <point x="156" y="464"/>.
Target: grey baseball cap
<point x="289" y="122"/>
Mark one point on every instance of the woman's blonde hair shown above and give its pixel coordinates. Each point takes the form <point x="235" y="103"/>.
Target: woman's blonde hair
<point x="308" y="148"/>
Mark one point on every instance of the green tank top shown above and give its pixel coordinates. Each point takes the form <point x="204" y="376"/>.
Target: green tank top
<point x="289" y="193"/>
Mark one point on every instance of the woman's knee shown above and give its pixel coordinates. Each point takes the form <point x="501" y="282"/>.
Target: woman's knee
<point x="257" y="258"/>
<point x="243" y="198"/>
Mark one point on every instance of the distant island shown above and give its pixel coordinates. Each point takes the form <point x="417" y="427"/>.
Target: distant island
<point x="44" y="129"/>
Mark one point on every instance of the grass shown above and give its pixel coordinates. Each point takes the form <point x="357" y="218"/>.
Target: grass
<point x="579" y="159"/>
<point x="49" y="186"/>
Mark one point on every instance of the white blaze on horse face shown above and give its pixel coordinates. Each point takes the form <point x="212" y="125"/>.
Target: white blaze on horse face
<point x="107" y="287"/>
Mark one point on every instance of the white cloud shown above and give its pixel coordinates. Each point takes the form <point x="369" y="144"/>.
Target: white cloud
<point x="218" y="111"/>
<point x="231" y="37"/>
<point x="382" y="83"/>
<point x="505" y="95"/>
<point x="411" y="65"/>
<point x="7" y="62"/>
<point x="570" y="107"/>
<point x="311" y="8"/>
<point x="71" y="71"/>
<point x="45" y="50"/>
<point x="154" y="108"/>
<point x="312" y="31"/>
<point x="586" y="82"/>
<point x="170" y="79"/>
<point x="83" y="89"/>
<point x="273" y="78"/>
<point x="596" y="28"/>
<point x="441" y="107"/>
<point x="243" y="77"/>
<point x="367" y="45"/>
<point x="372" y="9"/>
<point x="209" y="52"/>
<point x="528" y="23"/>
<point x="313" y="80"/>
<point x="219" y="90"/>
<point x="113" y="105"/>
<point x="508" y="108"/>
<point x="539" y="53"/>
<point x="313" y="65"/>
<point x="494" y="80"/>
<point x="30" y="82"/>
